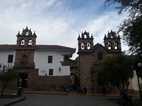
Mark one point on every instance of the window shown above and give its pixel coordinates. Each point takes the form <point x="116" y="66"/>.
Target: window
<point x="50" y="59"/>
<point x="115" y="48"/>
<point x="59" y="69"/>
<point x="27" y="33"/>
<point x="30" y="42"/>
<point x="10" y="58"/>
<point x="109" y="48"/>
<point x="88" y="46"/>
<point x="51" y="71"/>
<point x="82" y="46"/>
<point x="23" y="42"/>
<point x="4" y="68"/>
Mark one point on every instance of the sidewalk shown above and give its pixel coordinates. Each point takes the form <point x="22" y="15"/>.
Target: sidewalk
<point x="7" y="101"/>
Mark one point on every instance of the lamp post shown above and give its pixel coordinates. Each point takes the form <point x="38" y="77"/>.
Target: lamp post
<point x="19" y="85"/>
<point x="139" y="73"/>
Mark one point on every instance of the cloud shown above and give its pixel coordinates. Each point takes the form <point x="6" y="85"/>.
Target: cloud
<point x="56" y="21"/>
<point x="20" y="13"/>
<point x="104" y="23"/>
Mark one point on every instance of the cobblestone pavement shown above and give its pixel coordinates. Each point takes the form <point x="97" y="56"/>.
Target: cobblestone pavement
<point x="71" y="100"/>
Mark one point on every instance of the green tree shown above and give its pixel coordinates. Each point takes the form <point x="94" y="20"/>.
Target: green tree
<point x="132" y="27"/>
<point x="132" y="34"/>
<point x="115" y="71"/>
<point x="5" y="78"/>
<point x="134" y="6"/>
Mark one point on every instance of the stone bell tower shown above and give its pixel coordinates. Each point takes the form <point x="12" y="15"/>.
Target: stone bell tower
<point x="26" y="41"/>
<point x="112" y="42"/>
<point x="85" y="43"/>
<point x="85" y="50"/>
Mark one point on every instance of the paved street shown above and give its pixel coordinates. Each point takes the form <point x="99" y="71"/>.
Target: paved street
<point x="54" y="100"/>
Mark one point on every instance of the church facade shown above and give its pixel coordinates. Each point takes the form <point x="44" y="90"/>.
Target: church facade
<point x="91" y="55"/>
<point x="48" y="67"/>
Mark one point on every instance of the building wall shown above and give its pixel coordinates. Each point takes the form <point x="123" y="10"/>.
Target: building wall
<point x="41" y="63"/>
<point x="85" y="65"/>
<point x="4" y="58"/>
<point x="24" y="57"/>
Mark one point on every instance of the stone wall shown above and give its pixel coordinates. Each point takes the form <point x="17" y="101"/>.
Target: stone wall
<point x="46" y="83"/>
<point x="49" y="83"/>
<point x="85" y="65"/>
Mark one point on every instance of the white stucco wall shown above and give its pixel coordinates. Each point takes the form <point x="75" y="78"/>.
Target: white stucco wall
<point x="4" y="59"/>
<point x="41" y="63"/>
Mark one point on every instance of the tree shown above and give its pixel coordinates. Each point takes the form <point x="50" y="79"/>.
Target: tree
<point x="132" y="34"/>
<point x="132" y="27"/>
<point x="115" y="71"/>
<point x="134" y="6"/>
<point x="5" y="78"/>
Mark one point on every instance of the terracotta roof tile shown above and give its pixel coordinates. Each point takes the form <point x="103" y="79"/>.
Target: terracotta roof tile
<point x="42" y="47"/>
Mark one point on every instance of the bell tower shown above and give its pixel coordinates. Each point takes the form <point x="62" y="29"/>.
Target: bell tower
<point x="85" y="43"/>
<point x="86" y="60"/>
<point x="112" y="42"/>
<point x="26" y="42"/>
<point x="26" y="38"/>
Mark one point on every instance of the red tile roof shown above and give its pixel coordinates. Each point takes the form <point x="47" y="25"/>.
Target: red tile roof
<point x="7" y="47"/>
<point x="42" y="48"/>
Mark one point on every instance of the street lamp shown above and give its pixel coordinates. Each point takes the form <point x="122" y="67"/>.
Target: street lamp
<point x="19" y="85"/>
<point x="138" y="72"/>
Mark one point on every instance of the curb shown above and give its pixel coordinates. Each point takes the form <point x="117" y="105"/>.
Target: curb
<point x="15" y="101"/>
<point x="45" y="93"/>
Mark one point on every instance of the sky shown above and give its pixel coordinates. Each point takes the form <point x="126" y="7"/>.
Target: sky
<point x="58" y="22"/>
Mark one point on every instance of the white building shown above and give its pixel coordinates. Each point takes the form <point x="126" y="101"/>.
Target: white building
<point x="47" y="59"/>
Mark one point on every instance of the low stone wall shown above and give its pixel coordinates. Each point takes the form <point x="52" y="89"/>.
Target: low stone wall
<point x="47" y="83"/>
<point x="50" y="83"/>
